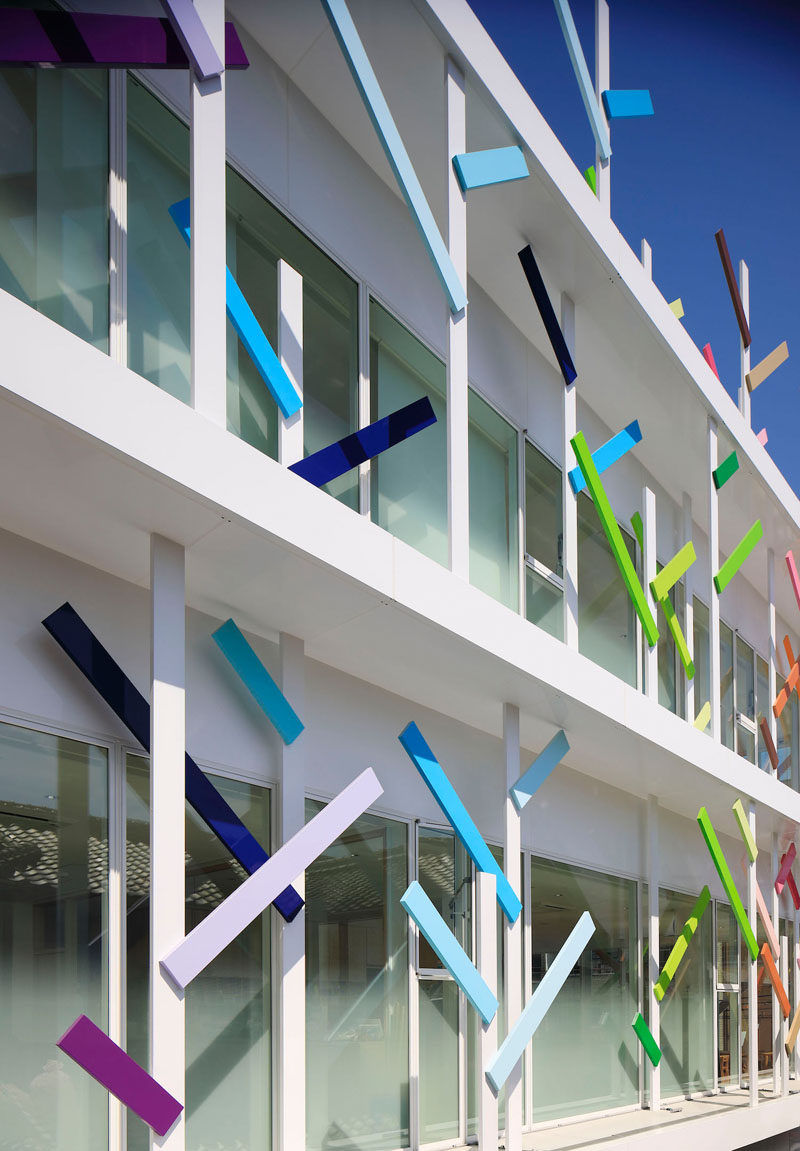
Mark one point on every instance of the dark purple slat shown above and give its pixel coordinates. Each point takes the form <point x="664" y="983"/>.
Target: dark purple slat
<point x="733" y="287"/>
<point x="97" y="40"/>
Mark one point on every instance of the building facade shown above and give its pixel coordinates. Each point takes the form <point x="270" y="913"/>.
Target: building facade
<point x="455" y="580"/>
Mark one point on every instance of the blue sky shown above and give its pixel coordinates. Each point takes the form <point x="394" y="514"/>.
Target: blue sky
<point x="721" y="151"/>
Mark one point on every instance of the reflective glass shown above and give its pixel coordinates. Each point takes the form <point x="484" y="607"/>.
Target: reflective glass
<point x="728" y="1038"/>
<point x="438" y="1060"/>
<point x="493" y="503"/>
<point x="687" y="1025"/>
<point x="701" y="658"/>
<point x="544" y="525"/>
<point x="445" y="875"/>
<point x="474" y="1069"/>
<point x="606" y="619"/>
<point x="726" y="697"/>
<point x="544" y="603"/>
<point x="667" y="656"/>
<point x="745" y="698"/>
<point x="763" y="710"/>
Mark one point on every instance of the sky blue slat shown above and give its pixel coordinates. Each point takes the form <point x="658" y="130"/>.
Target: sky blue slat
<point x="450" y="951"/>
<point x="510" y="1050"/>
<point x="258" y="681"/>
<point x="491" y="166"/>
<point x="584" y="80"/>
<point x="622" y="102"/>
<point x="608" y="454"/>
<point x="248" y="329"/>
<point x="531" y="780"/>
<point x="367" y="84"/>
<point x="449" y="800"/>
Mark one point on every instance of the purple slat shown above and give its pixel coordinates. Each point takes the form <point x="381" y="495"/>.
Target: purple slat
<point x="193" y="35"/>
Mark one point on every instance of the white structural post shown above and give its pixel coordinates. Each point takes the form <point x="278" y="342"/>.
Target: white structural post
<point x="773" y="644"/>
<point x="167" y="821"/>
<point x="653" y="944"/>
<point x="487" y="1041"/>
<point x="118" y="214"/>
<point x="292" y="936"/>
<point x="744" y="292"/>
<point x="752" y="973"/>
<point x="457" y="371"/>
<point x="784" y="1023"/>
<point x="513" y="931"/>
<point x="649" y="564"/>
<point x="290" y="351"/>
<point x="207" y="183"/>
<point x="569" y="557"/>
<point x="713" y="566"/>
<point x="364" y="401"/>
<point x="688" y="610"/>
<point x="602" y="80"/>
<point x="777" y="1014"/>
<point x="647" y="258"/>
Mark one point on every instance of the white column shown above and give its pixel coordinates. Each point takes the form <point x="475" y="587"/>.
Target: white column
<point x="647" y="258"/>
<point x="364" y="399"/>
<point x="687" y="622"/>
<point x="653" y="944"/>
<point x="773" y="644"/>
<point x="527" y="973"/>
<point x="167" y="821"/>
<point x="602" y="73"/>
<point x="208" y="320"/>
<point x="568" y="498"/>
<point x="713" y="598"/>
<point x="457" y="371"/>
<point x="786" y="959"/>
<point x="744" y="292"/>
<point x="291" y="1063"/>
<point x="290" y="351"/>
<point x="118" y="215"/>
<point x="487" y="1040"/>
<point x="752" y="974"/>
<point x="513" y="932"/>
<point x="777" y="1014"/>
<point x="649" y="565"/>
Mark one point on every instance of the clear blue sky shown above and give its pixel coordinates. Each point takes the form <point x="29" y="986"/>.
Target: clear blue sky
<point x="721" y="151"/>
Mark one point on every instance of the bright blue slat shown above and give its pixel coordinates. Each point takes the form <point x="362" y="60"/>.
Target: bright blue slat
<point x="608" y="454"/>
<point x="584" y="80"/>
<point x="622" y="102"/>
<point x="510" y="1050"/>
<point x="491" y="166"/>
<point x="248" y="329"/>
<point x="258" y="681"/>
<point x="448" y="799"/>
<point x="384" y="125"/>
<point x="450" y="951"/>
<point x="539" y="770"/>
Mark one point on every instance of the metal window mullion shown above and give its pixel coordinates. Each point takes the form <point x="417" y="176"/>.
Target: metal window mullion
<point x="364" y="414"/>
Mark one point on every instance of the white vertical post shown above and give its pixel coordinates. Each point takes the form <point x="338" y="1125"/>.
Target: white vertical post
<point x="513" y="931"/>
<point x="653" y="943"/>
<point x="118" y="215"/>
<point x="364" y="398"/>
<point x="713" y="598"/>
<point x="688" y="614"/>
<point x="487" y="1040"/>
<point x="786" y="958"/>
<point x="647" y="258"/>
<point x="117" y="932"/>
<point x="744" y="292"/>
<point x="777" y="1014"/>
<point x="527" y="975"/>
<point x="167" y="821"/>
<point x="752" y="972"/>
<point x="649" y="564"/>
<point x="569" y="547"/>
<point x="773" y="644"/>
<point x="208" y="320"/>
<point x="602" y="81"/>
<point x="290" y="350"/>
<point x="457" y="370"/>
<point x="292" y="938"/>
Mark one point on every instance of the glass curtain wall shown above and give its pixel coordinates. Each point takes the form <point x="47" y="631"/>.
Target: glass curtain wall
<point x="726" y="685"/>
<point x="727" y="997"/>
<point x="544" y="542"/>
<point x="474" y="1068"/>
<point x="53" y="936"/>
<point x="670" y="668"/>
<point x="701" y="657"/>
<point x="687" y="1026"/>
<point x="493" y="503"/>
<point x="606" y="620"/>
<point x="228" y="1033"/>
<point x="745" y="700"/>
<point x="357" y="989"/>
<point x="54" y="195"/>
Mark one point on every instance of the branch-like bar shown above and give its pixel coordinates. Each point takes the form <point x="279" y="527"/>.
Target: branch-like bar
<point x="608" y="454"/>
<point x="645" y="1037"/>
<point x="733" y="287"/>
<point x="724" y="872"/>
<point x="489" y="166"/>
<point x="672" y="571"/>
<point x="681" y="943"/>
<point x="599" y="127"/>
<point x="532" y="779"/>
<point x="775" y="980"/>
<point x="738" y="556"/>
<point x="767" y="366"/>
<point x="728" y="467"/>
<point x="786" y="866"/>
<point x="744" y="831"/>
<point x="769" y="743"/>
<point x="258" y="681"/>
<point x="552" y="326"/>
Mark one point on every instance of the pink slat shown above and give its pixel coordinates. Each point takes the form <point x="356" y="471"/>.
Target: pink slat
<point x="793" y="575"/>
<point x="786" y="865"/>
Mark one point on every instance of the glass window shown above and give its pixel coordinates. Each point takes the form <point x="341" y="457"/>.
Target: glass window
<point x="54" y="195"/>
<point x="606" y="621"/>
<point x="726" y="697"/>
<point x="544" y="542"/>
<point x="745" y="700"/>
<point x="763" y="710"/>
<point x="544" y="603"/>
<point x="54" y="931"/>
<point x="409" y="483"/>
<point x="727" y="996"/>
<point x="670" y="667"/>
<point x="357" y="989"/>
<point x="493" y="503"/>
<point x="701" y="658"/>
<point x="687" y="1027"/>
<point x="228" y="1034"/>
<point x="593" y="1011"/>
<point x="474" y="1068"/>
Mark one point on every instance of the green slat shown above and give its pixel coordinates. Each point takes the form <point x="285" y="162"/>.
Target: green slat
<point x="590" y="176"/>
<point x="712" y="843"/>
<point x="645" y="1037"/>
<point x="725" y="470"/>
<point x="681" y="943"/>
<point x="614" y="536"/>
<point x="677" y="634"/>
<point x="744" y="830"/>
<point x="737" y="557"/>
<point x="672" y="572"/>
<point x="638" y="528"/>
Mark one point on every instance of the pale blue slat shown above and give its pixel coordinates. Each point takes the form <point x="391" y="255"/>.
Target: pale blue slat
<point x="622" y="102"/>
<point x="584" y="81"/>
<point x="608" y="454"/>
<point x="510" y="1050"/>
<point x="367" y="84"/>
<point x="537" y="773"/>
<point x="450" y="802"/>
<point x="258" y="681"/>
<point x="490" y="166"/>
<point x="450" y="951"/>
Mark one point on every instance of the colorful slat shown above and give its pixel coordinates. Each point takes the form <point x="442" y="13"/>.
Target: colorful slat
<point x="114" y="1069"/>
<point x="532" y="779"/>
<point x="775" y="980"/>
<point x="132" y="709"/>
<point x="608" y="454"/>
<point x="793" y="575"/>
<point x="766" y="922"/>
<point x="676" y="631"/>
<point x="681" y="944"/>
<point x="728" y="467"/>
<point x="767" y="366"/>
<point x="676" y="306"/>
<point x="489" y="166"/>
<point x="795" y="894"/>
<point x="786" y="866"/>
<point x="620" y="103"/>
<point x="784" y="694"/>
<point x="733" y="287"/>
<point x="718" y="857"/>
<point x="738" y="556"/>
<point x="794" y="1031"/>
<point x="744" y="831"/>
<point x="378" y="110"/>
<point x="325" y="465"/>
<point x="645" y="1037"/>
<point x="551" y="324"/>
<point x="762" y="437"/>
<point x="258" y="681"/>
<point x="590" y="176"/>
<point x="585" y="85"/>
<point x="672" y="571"/>
<point x="787" y="647"/>
<point x="196" y="42"/>
<point x="769" y="743"/>
<point x="638" y="529"/>
<point x="614" y="537"/>
<point x="703" y="716"/>
<point x="708" y="356"/>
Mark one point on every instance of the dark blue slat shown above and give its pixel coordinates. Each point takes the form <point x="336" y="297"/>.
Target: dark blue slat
<point x="552" y="326"/>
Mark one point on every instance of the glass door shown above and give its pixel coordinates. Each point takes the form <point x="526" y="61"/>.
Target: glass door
<point x="728" y="1046"/>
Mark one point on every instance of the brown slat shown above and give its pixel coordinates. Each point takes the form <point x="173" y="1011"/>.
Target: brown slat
<point x="733" y="287"/>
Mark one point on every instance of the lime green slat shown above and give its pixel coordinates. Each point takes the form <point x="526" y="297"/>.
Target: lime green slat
<point x="638" y="528"/>
<point x="645" y="1037"/>
<point x="681" y="943"/>
<point x="590" y="176"/>
<point x="712" y="843"/>
<point x="672" y="572"/>
<point x="703" y="716"/>
<point x="744" y="830"/>
<point x="677" y="634"/>
<point x="725" y="470"/>
<point x="614" y="536"/>
<point x="737" y="557"/>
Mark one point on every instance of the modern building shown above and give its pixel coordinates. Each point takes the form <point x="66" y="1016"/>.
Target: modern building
<point x="456" y="581"/>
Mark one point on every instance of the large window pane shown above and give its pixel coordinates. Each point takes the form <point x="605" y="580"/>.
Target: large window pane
<point x="357" y="989"/>
<point x="687" y="1035"/>
<point x="544" y="603"/>
<point x="544" y="524"/>
<point x="726" y="698"/>
<point x="438" y="1060"/>
<point x="606" y="621"/>
<point x="763" y="710"/>
<point x="409" y="483"/>
<point x="745" y="698"/>
<point x="701" y="658"/>
<point x="54" y="195"/>
<point x="727" y="1000"/>
<point x="53" y="936"/>
<point x="493" y="503"/>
